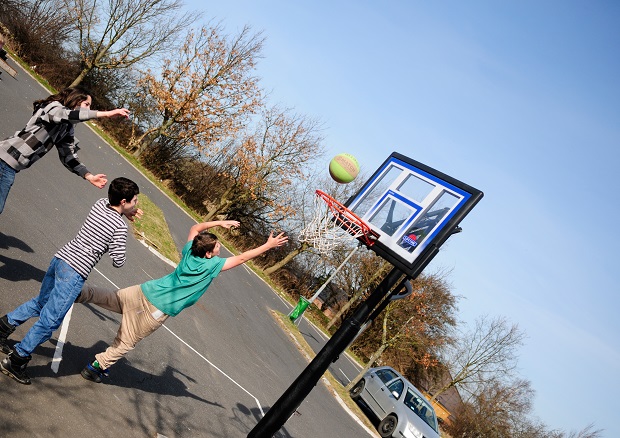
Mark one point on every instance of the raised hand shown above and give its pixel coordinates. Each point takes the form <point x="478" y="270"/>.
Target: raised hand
<point x="99" y="180"/>
<point x="229" y="224"/>
<point x="118" y="112"/>
<point x="275" y="241"/>
<point x="134" y="214"/>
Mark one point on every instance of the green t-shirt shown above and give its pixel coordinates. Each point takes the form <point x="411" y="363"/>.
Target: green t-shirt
<point x="183" y="287"/>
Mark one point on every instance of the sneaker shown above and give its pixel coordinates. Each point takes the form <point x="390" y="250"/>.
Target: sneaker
<point x="15" y="367"/>
<point x="93" y="373"/>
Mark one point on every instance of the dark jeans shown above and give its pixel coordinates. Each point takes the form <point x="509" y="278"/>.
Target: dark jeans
<point x="7" y="176"/>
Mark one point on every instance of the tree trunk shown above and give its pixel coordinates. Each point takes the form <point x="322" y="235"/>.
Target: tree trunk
<point x="77" y="81"/>
<point x="148" y="137"/>
<point x="290" y="256"/>
<point x="371" y="361"/>
<point x="210" y="215"/>
<point x="453" y="383"/>
<point x="346" y="307"/>
<point x="140" y="148"/>
<point x="221" y="208"/>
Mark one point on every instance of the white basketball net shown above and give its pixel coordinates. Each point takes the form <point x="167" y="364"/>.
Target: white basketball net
<point x="332" y="224"/>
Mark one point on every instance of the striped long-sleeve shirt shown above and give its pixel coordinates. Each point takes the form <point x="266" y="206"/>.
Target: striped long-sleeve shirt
<point x="104" y="230"/>
<point x="52" y="125"/>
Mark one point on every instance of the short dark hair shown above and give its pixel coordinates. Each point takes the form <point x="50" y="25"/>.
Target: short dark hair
<point x="122" y="188"/>
<point x="203" y="243"/>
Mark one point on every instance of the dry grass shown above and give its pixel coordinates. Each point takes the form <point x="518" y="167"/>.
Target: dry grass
<point x="153" y="229"/>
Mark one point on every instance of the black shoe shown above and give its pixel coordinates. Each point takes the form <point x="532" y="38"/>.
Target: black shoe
<point x="93" y="373"/>
<point x="6" y="329"/>
<point x="14" y="366"/>
<point x="5" y="347"/>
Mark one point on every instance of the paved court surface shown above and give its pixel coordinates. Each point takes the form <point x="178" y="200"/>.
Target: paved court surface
<point x="212" y="371"/>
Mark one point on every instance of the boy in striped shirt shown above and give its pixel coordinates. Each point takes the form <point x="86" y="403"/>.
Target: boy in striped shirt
<point x="103" y="231"/>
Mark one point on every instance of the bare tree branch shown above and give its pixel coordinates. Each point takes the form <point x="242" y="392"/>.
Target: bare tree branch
<point x="482" y="354"/>
<point x="120" y="33"/>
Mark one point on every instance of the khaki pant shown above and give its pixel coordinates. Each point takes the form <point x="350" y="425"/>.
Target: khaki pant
<point x="137" y="318"/>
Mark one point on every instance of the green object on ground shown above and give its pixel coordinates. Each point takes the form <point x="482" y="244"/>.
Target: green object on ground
<point x="299" y="309"/>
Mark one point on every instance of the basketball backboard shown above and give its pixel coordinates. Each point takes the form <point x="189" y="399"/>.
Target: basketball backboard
<point x="412" y="207"/>
<point x="411" y="210"/>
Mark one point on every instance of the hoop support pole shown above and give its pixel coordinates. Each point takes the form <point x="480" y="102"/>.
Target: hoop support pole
<point x="292" y="398"/>
<point x="324" y="285"/>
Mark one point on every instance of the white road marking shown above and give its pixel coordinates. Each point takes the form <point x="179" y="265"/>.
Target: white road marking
<point x="101" y="273"/>
<point x="65" y="328"/>
<point x="61" y="341"/>
<point x="347" y="377"/>
<point x="215" y="366"/>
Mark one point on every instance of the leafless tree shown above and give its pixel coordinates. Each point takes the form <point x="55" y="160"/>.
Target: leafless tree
<point x="43" y="20"/>
<point x="586" y="432"/>
<point x="266" y="162"/>
<point x="502" y="409"/>
<point x="498" y="410"/>
<point x="114" y="34"/>
<point x="488" y="350"/>
<point x="39" y="33"/>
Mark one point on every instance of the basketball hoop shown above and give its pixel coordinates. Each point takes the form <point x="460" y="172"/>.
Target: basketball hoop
<point x="333" y="224"/>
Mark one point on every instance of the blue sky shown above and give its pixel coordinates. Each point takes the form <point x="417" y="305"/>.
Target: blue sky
<point x="518" y="99"/>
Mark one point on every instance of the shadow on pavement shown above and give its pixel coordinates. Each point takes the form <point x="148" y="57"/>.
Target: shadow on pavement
<point x="7" y="242"/>
<point x="121" y="375"/>
<point x="246" y="418"/>
<point x="16" y="270"/>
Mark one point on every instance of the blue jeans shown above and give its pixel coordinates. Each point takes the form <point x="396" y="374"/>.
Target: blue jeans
<point x="7" y="176"/>
<point x="59" y="289"/>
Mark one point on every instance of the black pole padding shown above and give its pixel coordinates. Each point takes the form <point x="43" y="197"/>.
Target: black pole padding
<point x="292" y="398"/>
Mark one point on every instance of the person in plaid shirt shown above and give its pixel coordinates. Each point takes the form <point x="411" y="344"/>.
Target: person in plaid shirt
<point x="52" y="124"/>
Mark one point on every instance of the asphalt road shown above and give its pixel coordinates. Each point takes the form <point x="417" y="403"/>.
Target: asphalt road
<point x="213" y="371"/>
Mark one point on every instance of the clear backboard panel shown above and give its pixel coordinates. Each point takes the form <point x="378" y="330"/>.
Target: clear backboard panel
<point x="412" y="207"/>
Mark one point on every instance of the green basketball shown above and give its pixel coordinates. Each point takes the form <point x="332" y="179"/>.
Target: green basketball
<point x="343" y="168"/>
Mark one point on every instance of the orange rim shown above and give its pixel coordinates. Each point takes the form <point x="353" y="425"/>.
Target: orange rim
<point x="348" y="220"/>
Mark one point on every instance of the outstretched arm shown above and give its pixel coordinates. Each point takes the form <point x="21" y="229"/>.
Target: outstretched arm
<point x="118" y="112"/>
<point x="240" y="259"/>
<point x="196" y="229"/>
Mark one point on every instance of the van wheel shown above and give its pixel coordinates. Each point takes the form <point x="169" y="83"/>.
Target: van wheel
<point x="388" y="426"/>
<point x="356" y="391"/>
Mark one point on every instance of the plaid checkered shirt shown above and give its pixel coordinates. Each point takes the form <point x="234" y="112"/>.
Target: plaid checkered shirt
<point x="52" y="125"/>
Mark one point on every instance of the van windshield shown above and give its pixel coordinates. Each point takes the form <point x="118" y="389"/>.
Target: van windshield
<point x="422" y="409"/>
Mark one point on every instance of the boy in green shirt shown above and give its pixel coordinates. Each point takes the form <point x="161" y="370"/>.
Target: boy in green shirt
<point x="145" y="307"/>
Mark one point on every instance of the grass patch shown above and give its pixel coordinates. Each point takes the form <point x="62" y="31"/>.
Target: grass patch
<point x="320" y="321"/>
<point x="334" y="385"/>
<point x="153" y="229"/>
